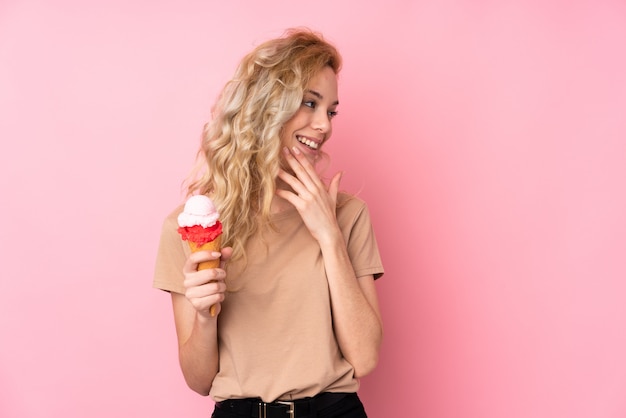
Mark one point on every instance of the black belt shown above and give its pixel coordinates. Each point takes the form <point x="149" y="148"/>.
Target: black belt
<point x="255" y="408"/>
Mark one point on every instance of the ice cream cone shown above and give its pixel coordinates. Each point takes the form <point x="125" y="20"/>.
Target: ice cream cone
<point x="199" y="223"/>
<point x="214" y="245"/>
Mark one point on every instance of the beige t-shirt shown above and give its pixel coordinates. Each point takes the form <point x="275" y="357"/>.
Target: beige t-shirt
<point x="275" y="334"/>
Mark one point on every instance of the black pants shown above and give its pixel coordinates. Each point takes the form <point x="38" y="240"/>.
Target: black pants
<point x="348" y="407"/>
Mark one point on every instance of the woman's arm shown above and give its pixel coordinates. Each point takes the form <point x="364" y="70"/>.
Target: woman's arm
<point x="196" y="329"/>
<point x="356" y="316"/>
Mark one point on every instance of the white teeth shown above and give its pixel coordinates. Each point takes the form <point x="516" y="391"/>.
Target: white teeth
<point x="307" y="142"/>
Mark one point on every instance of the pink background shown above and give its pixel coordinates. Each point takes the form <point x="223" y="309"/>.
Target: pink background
<point x="488" y="138"/>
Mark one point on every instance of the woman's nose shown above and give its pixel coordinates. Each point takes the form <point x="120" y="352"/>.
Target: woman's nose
<point x="321" y="121"/>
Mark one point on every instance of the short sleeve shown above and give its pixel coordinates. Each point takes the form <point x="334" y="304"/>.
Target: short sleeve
<point x="171" y="256"/>
<point x="354" y="219"/>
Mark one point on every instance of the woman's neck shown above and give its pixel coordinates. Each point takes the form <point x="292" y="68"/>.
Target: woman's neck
<point x="278" y="203"/>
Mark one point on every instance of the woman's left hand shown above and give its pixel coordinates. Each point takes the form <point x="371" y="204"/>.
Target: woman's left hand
<point x="315" y="202"/>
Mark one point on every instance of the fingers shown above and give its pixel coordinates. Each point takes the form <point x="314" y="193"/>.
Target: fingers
<point x="199" y="278"/>
<point x="207" y="298"/>
<point x="306" y="179"/>
<point x="205" y="288"/>
<point x="333" y="188"/>
<point x="207" y="294"/>
<point x="302" y="167"/>
<point x="293" y="182"/>
<point x="227" y="253"/>
<point x="191" y="265"/>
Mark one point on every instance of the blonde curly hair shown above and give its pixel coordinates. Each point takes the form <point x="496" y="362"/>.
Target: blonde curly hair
<point x="239" y="157"/>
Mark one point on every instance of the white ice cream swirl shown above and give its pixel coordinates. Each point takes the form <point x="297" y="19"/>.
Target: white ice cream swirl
<point x="199" y="210"/>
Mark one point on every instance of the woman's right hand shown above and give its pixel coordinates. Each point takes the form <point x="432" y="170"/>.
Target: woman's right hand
<point x="205" y="288"/>
<point x="195" y="328"/>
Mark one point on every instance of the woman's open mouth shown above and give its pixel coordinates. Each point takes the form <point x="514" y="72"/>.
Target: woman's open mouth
<point x="308" y="142"/>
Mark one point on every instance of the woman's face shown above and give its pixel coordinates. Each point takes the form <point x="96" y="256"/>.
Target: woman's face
<point x="311" y="125"/>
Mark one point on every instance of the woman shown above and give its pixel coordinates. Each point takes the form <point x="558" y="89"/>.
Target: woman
<point x="297" y="320"/>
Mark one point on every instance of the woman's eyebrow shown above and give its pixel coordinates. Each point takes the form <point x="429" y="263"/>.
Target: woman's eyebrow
<point x="319" y="96"/>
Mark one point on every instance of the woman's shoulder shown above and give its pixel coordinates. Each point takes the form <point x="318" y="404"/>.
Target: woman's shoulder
<point x="347" y="199"/>
<point x="350" y="205"/>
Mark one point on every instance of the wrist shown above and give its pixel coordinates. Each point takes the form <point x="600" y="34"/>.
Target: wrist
<point x="332" y="240"/>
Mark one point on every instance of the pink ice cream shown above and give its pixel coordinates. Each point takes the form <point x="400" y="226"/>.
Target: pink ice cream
<point x="199" y="222"/>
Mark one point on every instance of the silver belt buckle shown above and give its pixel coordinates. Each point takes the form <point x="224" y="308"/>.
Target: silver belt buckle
<point x="292" y="407"/>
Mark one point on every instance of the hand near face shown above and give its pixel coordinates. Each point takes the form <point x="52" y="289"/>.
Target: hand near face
<point x="315" y="201"/>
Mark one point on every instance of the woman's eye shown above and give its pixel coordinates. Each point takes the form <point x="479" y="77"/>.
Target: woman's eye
<point x="312" y="104"/>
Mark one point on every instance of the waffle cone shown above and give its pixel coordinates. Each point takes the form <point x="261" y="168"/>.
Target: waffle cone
<point x="214" y="245"/>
